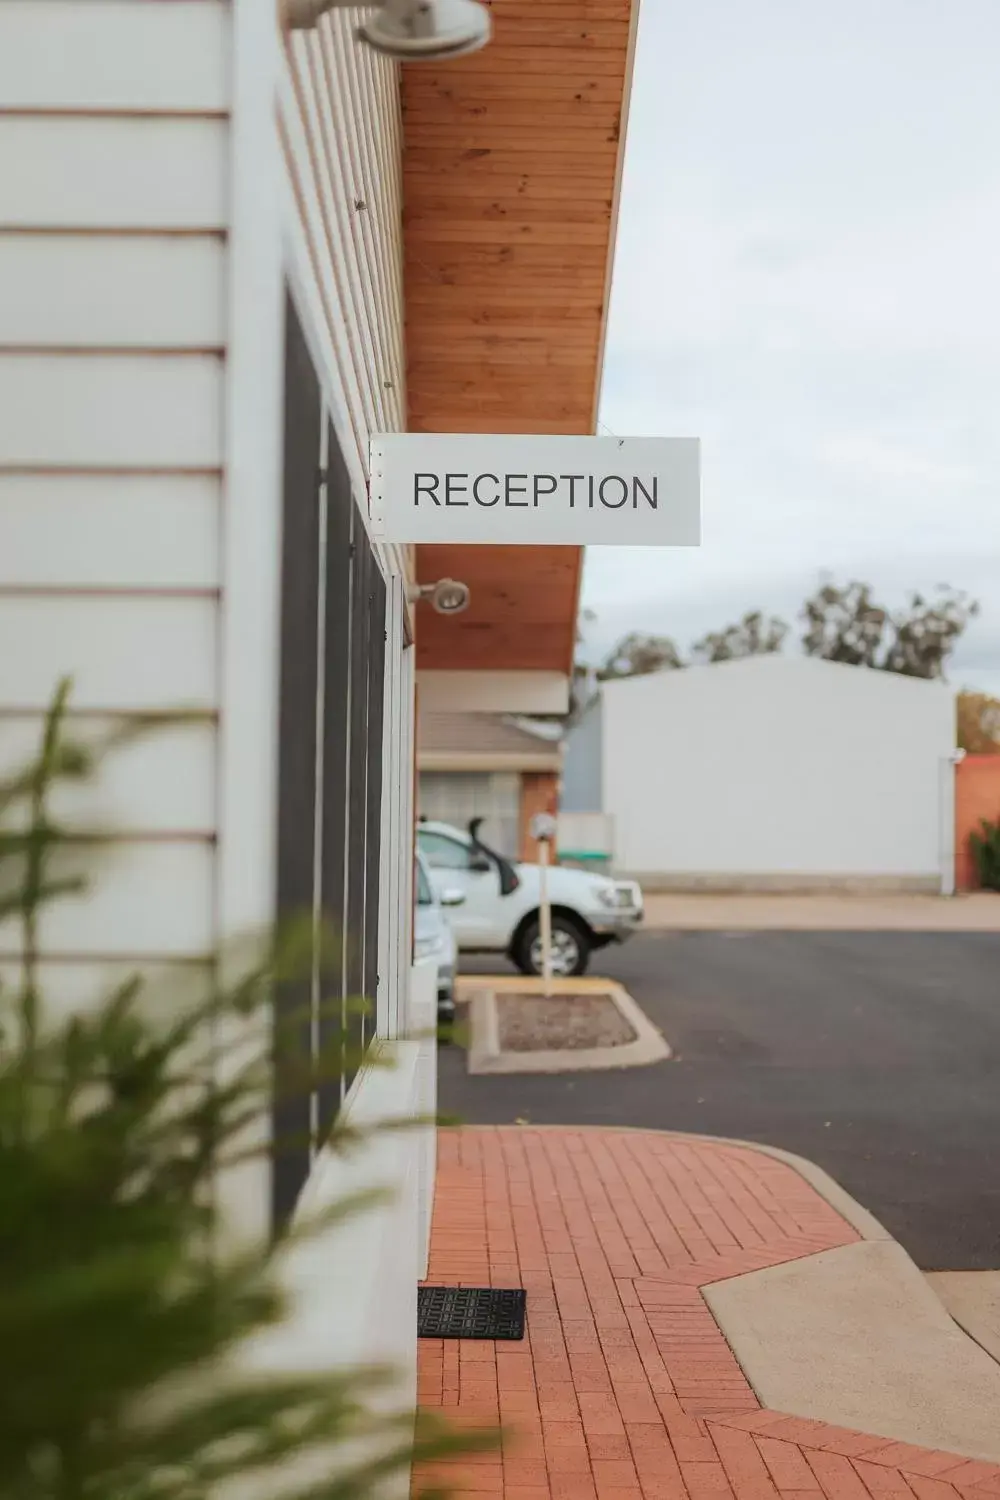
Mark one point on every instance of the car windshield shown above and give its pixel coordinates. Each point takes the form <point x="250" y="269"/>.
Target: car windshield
<point x="425" y="896"/>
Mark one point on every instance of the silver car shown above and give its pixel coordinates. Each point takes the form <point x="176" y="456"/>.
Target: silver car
<point x="433" y="936"/>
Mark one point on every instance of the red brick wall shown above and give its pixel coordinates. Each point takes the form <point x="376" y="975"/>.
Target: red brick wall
<point x="977" y="796"/>
<point x="539" y="793"/>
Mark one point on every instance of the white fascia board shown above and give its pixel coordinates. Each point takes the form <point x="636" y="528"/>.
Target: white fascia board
<point x="493" y="692"/>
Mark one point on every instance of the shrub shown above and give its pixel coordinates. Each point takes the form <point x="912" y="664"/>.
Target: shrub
<point x="121" y="1318"/>
<point x="985" y="847"/>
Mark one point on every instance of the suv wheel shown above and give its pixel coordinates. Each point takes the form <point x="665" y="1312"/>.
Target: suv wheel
<point x="571" y="945"/>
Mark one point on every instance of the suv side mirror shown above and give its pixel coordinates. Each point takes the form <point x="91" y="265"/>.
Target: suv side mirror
<point x="453" y="897"/>
<point x="479" y="863"/>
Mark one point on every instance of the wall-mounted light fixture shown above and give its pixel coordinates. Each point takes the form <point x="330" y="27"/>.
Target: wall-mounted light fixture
<point x="447" y="596"/>
<point x="409" y="30"/>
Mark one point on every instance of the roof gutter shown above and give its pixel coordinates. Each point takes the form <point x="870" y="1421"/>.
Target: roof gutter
<point x="608" y="277"/>
<point x="616" y="203"/>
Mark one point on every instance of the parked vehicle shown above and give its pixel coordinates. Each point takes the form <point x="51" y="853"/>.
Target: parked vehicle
<point x="500" y="912"/>
<point x="433" y="937"/>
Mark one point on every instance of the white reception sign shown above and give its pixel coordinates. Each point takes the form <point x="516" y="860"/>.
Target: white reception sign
<point x="531" y="491"/>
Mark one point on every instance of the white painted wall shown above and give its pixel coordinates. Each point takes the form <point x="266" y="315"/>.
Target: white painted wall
<point x="150" y="209"/>
<point x="93" y="55"/>
<point x="344" y="1282"/>
<point x="353" y="1289"/>
<point x="153" y="202"/>
<point x="114" y="200"/>
<point x="777" y="769"/>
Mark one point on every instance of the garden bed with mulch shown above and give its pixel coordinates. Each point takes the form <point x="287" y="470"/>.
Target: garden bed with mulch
<point x="515" y="1028"/>
<point x="532" y="1023"/>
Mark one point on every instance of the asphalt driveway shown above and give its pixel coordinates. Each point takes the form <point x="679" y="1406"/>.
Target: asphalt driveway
<point x="877" y="1055"/>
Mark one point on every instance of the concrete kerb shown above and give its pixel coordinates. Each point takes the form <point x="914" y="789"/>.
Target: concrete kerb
<point x="469" y="985"/>
<point x="485" y="1054"/>
<point x="973" y="1300"/>
<point x="682" y="913"/>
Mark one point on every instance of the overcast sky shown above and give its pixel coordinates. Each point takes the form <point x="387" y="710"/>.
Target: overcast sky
<point x="808" y="279"/>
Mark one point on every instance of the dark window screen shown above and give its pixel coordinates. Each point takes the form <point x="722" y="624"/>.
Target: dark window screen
<point x="345" y="801"/>
<point x="373" y="843"/>
<point x="336" y="734"/>
<point x="357" y="821"/>
<point x="296" y="751"/>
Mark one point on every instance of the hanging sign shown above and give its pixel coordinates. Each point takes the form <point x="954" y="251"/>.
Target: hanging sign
<point x="535" y="491"/>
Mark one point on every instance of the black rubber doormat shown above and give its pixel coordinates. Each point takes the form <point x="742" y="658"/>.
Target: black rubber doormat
<point x="464" y="1312"/>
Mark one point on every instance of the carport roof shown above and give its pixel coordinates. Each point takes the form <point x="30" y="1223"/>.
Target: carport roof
<point x="511" y="170"/>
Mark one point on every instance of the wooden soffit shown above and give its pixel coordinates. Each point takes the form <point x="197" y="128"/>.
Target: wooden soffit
<point x="511" y="166"/>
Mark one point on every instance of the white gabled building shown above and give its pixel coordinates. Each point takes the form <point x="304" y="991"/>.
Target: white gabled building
<point x="772" y="773"/>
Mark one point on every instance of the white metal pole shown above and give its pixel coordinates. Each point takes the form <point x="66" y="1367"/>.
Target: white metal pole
<point x="546" y="917"/>
<point x="949" y="850"/>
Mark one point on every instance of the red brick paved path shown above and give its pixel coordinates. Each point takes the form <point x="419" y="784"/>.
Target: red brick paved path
<point x="625" y="1387"/>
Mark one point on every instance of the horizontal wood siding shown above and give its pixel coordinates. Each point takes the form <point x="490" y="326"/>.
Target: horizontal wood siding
<point x="78" y="984"/>
<point x="132" y="292"/>
<point x="147" y="900"/>
<point x="72" y="55"/>
<point x="178" y="761"/>
<point x="92" y="411"/>
<point x="140" y="651"/>
<point x="114" y="201"/>
<point x="114" y="172"/>
<point x="109" y="531"/>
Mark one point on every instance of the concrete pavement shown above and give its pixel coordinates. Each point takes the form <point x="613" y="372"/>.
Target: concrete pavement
<point x="973" y="1300"/>
<point x="977" y="912"/>
<point x="894" y="1362"/>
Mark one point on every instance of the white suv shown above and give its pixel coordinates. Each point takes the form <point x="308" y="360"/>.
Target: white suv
<point x="434" y="935"/>
<point x="500" y="913"/>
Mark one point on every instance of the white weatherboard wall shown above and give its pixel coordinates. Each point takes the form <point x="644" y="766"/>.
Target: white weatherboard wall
<point x="352" y="1294"/>
<point x="778" y="772"/>
<point x="114" y="268"/>
<point x="153" y="204"/>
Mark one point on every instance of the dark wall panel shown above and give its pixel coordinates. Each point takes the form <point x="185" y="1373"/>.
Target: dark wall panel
<point x="362" y="564"/>
<point x="373" y="843"/>
<point x="333" y="602"/>
<point x="336" y="736"/>
<point x="297" y="721"/>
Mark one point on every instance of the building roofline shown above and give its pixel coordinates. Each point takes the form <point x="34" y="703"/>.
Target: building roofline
<point x="616" y="205"/>
<point x="447" y="760"/>
<point x="767" y="661"/>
